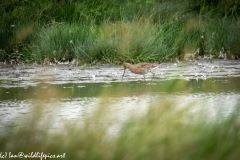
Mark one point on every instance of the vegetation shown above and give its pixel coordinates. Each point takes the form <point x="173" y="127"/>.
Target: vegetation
<point x="112" y="31"/>
<point x="165" y="132"/>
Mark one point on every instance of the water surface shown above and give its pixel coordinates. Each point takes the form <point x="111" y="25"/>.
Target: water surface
<point x="72" y="93"/>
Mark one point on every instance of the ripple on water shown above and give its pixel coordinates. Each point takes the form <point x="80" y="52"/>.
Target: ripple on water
<point x="118" y="109"/>
<point x="215" y="96"/>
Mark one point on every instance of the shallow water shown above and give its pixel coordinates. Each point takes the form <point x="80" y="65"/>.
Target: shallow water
<point x="48" y="91"/>
<point x="72" y="93"/>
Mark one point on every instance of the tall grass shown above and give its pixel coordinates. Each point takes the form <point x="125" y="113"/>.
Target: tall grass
<point x="64" y="42"/>
<point x="138" y="30"/>
<point x="165" y="132"/>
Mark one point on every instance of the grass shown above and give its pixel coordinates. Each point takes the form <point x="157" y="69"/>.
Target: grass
<point x="63" y="42"/>
<point x="165" y="132"/>
<point x="114" y="32"/>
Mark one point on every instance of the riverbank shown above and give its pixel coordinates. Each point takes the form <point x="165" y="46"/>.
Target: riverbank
<point x="32" y="74"/>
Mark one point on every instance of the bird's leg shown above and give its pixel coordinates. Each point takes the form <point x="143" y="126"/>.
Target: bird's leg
<point x="210" y="59"/>
<point x="144" y="78"/>
<point x="124" y="72"/>
<point x="153" y="75"/>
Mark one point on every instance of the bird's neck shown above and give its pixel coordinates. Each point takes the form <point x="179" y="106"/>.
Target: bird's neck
<point x="129" y="66"/>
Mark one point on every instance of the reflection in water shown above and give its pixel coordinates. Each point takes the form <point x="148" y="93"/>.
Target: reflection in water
<point x="76" y="102"/>
<point x="120" y="109"/>
<point x="119" y="89"/>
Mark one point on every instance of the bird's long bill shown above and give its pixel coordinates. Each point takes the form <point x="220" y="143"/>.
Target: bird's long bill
<point x="124" y="72"/>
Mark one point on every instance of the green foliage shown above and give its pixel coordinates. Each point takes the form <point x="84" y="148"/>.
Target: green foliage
<point x="155" y="30"/>
<point x="63" y="42"/>
<point x="217" y="7"/>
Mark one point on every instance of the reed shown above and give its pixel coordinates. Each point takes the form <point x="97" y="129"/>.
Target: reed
<point x="114" y="32"/>
<point x="164" y="132"/>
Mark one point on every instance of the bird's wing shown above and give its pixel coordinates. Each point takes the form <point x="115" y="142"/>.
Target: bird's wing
<point x="148" y="65"/>
<point x="144" y="65"/>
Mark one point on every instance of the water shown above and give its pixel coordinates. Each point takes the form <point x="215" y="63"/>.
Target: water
<point x="48" y="91"/>
<point x="72" y="94"/>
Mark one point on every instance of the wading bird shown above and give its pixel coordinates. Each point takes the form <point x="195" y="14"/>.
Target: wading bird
<point x="140" y="68"/>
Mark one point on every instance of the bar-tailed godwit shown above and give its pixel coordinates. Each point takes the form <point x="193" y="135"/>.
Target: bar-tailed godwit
<point x="140" y="68"/>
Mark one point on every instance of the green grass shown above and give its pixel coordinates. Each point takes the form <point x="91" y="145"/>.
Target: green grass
<point x="165" y="132"/>
<point x="63" y="42"/>
<point x="114" y="32"/>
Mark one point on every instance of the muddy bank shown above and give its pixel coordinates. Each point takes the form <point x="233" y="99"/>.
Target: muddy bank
<point x="30" y="75"/>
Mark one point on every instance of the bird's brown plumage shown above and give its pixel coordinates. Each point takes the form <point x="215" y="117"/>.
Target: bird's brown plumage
<point x="140" y="68"/>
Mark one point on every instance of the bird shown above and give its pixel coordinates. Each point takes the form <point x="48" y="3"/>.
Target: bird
<point x="140" y="68"/>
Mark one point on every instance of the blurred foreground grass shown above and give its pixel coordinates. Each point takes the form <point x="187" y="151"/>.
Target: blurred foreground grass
<point x="164" y="132"/>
